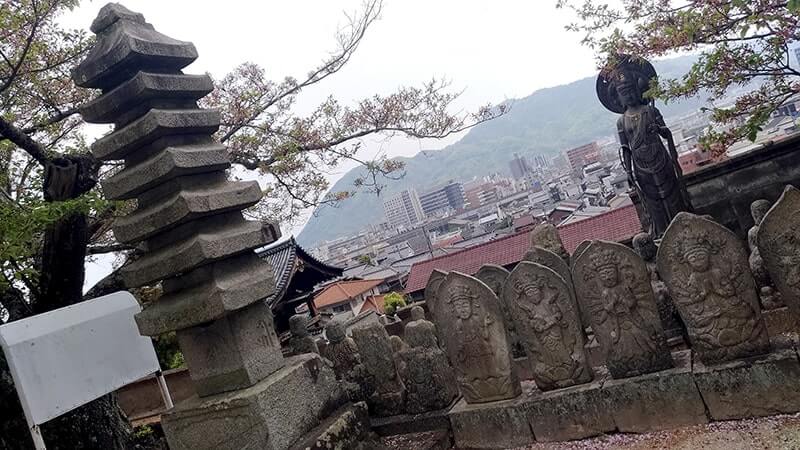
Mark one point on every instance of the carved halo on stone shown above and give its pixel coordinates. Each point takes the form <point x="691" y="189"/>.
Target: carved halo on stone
<point x="606" y="79"/>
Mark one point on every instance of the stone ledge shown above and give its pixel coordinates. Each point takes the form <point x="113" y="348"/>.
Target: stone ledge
<point x="751" y="387"/>
<point x="413" y="423"/>
<point x="305" y="388"/>
<point x="576" y="412"/>
<point x="346" y="428"/>
<point x="500" y="424"/>
<point x="656" y="401"/>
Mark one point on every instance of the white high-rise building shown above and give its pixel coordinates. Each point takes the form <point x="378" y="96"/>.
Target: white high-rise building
<point x="403" y="209"/>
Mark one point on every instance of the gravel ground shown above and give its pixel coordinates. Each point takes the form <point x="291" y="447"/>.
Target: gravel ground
<point x="775" y="432"/>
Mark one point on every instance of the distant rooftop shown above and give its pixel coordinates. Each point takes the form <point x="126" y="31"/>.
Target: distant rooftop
<point x="619" y="225"/>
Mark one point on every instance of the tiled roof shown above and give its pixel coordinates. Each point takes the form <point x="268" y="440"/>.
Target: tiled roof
<point x="282" y="257"/>
<point x="374" y="303"/>
<point x="342" y="291"/>
<point x="616" y="225"/>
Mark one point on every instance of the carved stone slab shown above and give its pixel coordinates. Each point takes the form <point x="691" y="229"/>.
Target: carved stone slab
<point x="547" y="319"/>
<point x="431" y="289"/>
<point x="495" y="277"/>
<point x="469" y="318"/>
<point x="613" y="286"/>
<point x="705" y="268"/>
<point x="552" y="261"/>
<point x="779" y="244"/>
<point x="577" y="253"/>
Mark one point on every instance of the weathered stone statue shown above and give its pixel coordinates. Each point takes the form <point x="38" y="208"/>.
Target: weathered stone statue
<point x="342" y="352"/>
<point x="770" y="298"/>
<point x="495" y="276"/>
<point x="431" y="289"/>
<point x="549" y="325"/>
<point x="577" y="253"/>
<point x="646" y="247"/>
<point x="429" y="380"/>
<point x="468" y="316"/>
<point x="301" y="341"/>
<point x="704" y="265"/>
<point x="398" y="345"/>
<point x="652" y="168"/>
<point x="375" y="348"/>
<point x="613" y="286"/>
<point x="779" y="243"/>
<point x="545" y="235"/>
<point x="552" y="261"/>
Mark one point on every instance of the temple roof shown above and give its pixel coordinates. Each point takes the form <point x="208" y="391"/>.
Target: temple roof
<point x="286" y="258"/>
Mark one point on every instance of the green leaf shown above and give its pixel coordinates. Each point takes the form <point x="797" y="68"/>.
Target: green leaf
<point x="793" y="6"/>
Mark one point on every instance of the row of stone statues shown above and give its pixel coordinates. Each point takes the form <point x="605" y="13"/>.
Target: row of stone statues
<point x="393" y="375"/>
<point x="698" y="279"/>
<point x="697" y="283"/>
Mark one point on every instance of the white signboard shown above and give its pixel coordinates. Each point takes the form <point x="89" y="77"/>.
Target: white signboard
<point x="66" y="358"/>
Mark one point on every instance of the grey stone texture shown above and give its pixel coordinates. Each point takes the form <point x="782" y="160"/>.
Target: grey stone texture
<point x="155" y="124"/>
<point x="545" y="235"/>
<point x="301" y="341"/>
<point x="342" y="352"/>
<point x="548" y="322"/>
<point x="647" y="249"/>
<point x="167" y="165"/>
<point x="656" y="401"/>
<point x="377" y="356"/>
<point x="769" y="296"/>
<point x="207" y="293"/>
<point x="145" y="91"/>
<point x="468" y="316"/>
<point x="184" y="206"/>
<point x="495" y="277"/>
<point x="500" y="424"/>
<point x="126" y="45"/>
<point x="705" y="267"/>
<point x="757" y="386"/>
<point x="613" y="286"/>
<point x="223" y="237"/>
<point x="576" y="412"/>
<point x="423" y="368"/>
<point x="232" y="353"/>
<point x="248" y="419"/>
<point x="552" y="261"/>
<point x="346" y="428"/>
<point x="412" y="422"/>
<point x="779" y="243"/>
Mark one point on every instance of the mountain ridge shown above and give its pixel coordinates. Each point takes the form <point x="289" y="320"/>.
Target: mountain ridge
<point x="545" y="122"/>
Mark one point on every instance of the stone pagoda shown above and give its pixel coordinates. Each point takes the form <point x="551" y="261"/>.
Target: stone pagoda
<point x="195" y="241"/>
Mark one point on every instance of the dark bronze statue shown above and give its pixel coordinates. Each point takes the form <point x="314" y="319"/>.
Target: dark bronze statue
<point x="652" y="168"/>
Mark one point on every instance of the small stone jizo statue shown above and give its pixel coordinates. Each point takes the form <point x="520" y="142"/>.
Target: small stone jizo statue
<point x="301" y="341"/>
<point x="429" y="380"/>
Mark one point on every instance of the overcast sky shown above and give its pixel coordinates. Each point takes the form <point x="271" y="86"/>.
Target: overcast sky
<point x="492" y="50"/>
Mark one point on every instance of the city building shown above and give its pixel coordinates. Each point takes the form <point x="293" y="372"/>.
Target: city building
<point x="519" y="167"/>
<point x="583" y="155"/>
<point x="403" y="209"/>
<point x="347" y="299"/>
<point x="442" y="199"/>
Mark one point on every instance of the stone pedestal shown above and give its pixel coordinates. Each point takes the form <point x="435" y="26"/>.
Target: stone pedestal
<point x="656" y="401"/>
<point x="346" y="428"/>
<point x="413" y="423"/>
<point x="273" y="413"/>
<point x="756" y="386"/>
<point x="501" y="424"/>
<point x="575" y="412"/>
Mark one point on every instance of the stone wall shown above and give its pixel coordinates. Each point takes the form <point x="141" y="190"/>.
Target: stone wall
<point x="725" y="190"/>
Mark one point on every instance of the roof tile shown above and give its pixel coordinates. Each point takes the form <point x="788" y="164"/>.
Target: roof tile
<point x="616" y="225"/>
